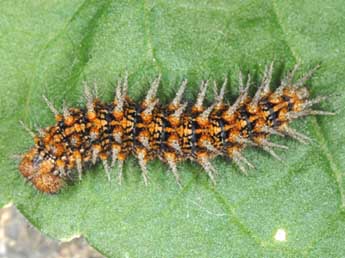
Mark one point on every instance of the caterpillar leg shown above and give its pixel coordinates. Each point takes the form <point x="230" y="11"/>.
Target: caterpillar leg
<point x="204" y="161"/>
<point x="219" y="96"/>
<point x="288" y="131"/>
<point x="120" y="172"/>
<point x="306" y="76"/>
<point x="289" y="77"/>
<point x="115" y="150"/>
<point x="17" y="157"/>
<point x="240" y="160"/>
<point x="106" y="168"/>
<point x="177" y="100"/>
<point x="120" y="94"/>
<point x="170" y="158"/>
<point x="50" y="105"/>
<point x="151" y="94"/>
<point x="268" y="147"/>
<point x="27" y="129"/>
<point x="243" y="95"/>
<point x="264" y="88"/>
<point x="308" y="112"/>
<point x="141" y="155"/>
<point x="208" y="145"/>
<point x="96" y="149"/>
<point x="201" y="96"/>
<point x="89" y="99"/>
<point x="79" y="168"/>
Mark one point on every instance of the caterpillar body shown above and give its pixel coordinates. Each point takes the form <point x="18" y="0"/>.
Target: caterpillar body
<point x="110" y="132"/>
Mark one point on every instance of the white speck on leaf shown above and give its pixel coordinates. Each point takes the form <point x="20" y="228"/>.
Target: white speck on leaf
<point x="280" y="235"/>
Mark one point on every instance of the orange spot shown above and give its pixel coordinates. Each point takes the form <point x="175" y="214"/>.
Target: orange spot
<point x="202" y="155"/>
<point x="36" y="140"/>
<point x="199" y="131"/>
<point x="71" y="162"/>
<point x="219" y="106"/>
<point x="152" y="127"/>
<point x="228" y="118"/>
<point x="298" y="106"/>
<point x="116" y="146"/>
<point x="57" y="138"/>
<point x="282" y="115"/>
<point x="103" y="156"/>
<point x="79" y="127"/>
<point x="170" y="155"/>
<point x="274" y="98"/>
<point x="174" y="120"/>
<point x="125" y="122"/>
<point x="46" y="138"/>
<point x="58" y="149"/>
<point x="144" y="133"/>
<point x="97" y="147"/>
<point x="147" y="118"/>
<point x="46" y="167"/>
<point x="280" y="106"/>
<point x="253" y="118"/>
<point x="173" y="139"/>
<point x="87" y="158"/>
<point x="104" y="122"/>
<point x="60" y="163"/>
<point x="97" y="123"/>
<point x="68" y="131"/>
<point x="118" y="131"/>
<point x="142" y="151"/>
<point x="69" y="120"/>
<point x="259" y="124"/>
<point x="94" y="130"/>
<point x="233" y="136"/>
<point x="121" y="156"/>
<point x="204" y="138"/>
<point x="77" y="155"/>
<point x="58" y="117"/>
<point x="202" y="121"/>
<point x="118" y="115"/>
<point x="253" y="109"/>
<point x="172" y="107"/>
<point x="289" y="92"/>
<point x="197" y="109"/>
<point x="91" y="115"/>
<point x="241" y="124"/>
<point x="216" y="130"/>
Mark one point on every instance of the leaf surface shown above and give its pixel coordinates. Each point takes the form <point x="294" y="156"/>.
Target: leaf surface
<point x="52" y="47"/>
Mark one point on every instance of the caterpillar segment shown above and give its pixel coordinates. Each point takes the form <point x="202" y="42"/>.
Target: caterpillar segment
<point x="110" y="132"/>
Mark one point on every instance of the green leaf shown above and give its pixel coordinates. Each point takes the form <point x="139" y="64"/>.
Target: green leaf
<point x="51" y="47"/>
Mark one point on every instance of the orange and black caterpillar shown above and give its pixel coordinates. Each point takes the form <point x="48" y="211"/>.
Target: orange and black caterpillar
<point x="110" y="132"/>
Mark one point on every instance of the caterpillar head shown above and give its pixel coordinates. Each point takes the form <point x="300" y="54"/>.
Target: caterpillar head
<point x="39" y="170"/>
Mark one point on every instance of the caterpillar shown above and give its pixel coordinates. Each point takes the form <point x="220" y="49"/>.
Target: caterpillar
<point x="110" y="132"/>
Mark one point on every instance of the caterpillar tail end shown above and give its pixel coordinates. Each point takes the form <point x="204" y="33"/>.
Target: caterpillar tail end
<point x="39" y="173"/>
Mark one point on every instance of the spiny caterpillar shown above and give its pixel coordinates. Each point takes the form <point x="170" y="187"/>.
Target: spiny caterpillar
<point x="110" y="132"/>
